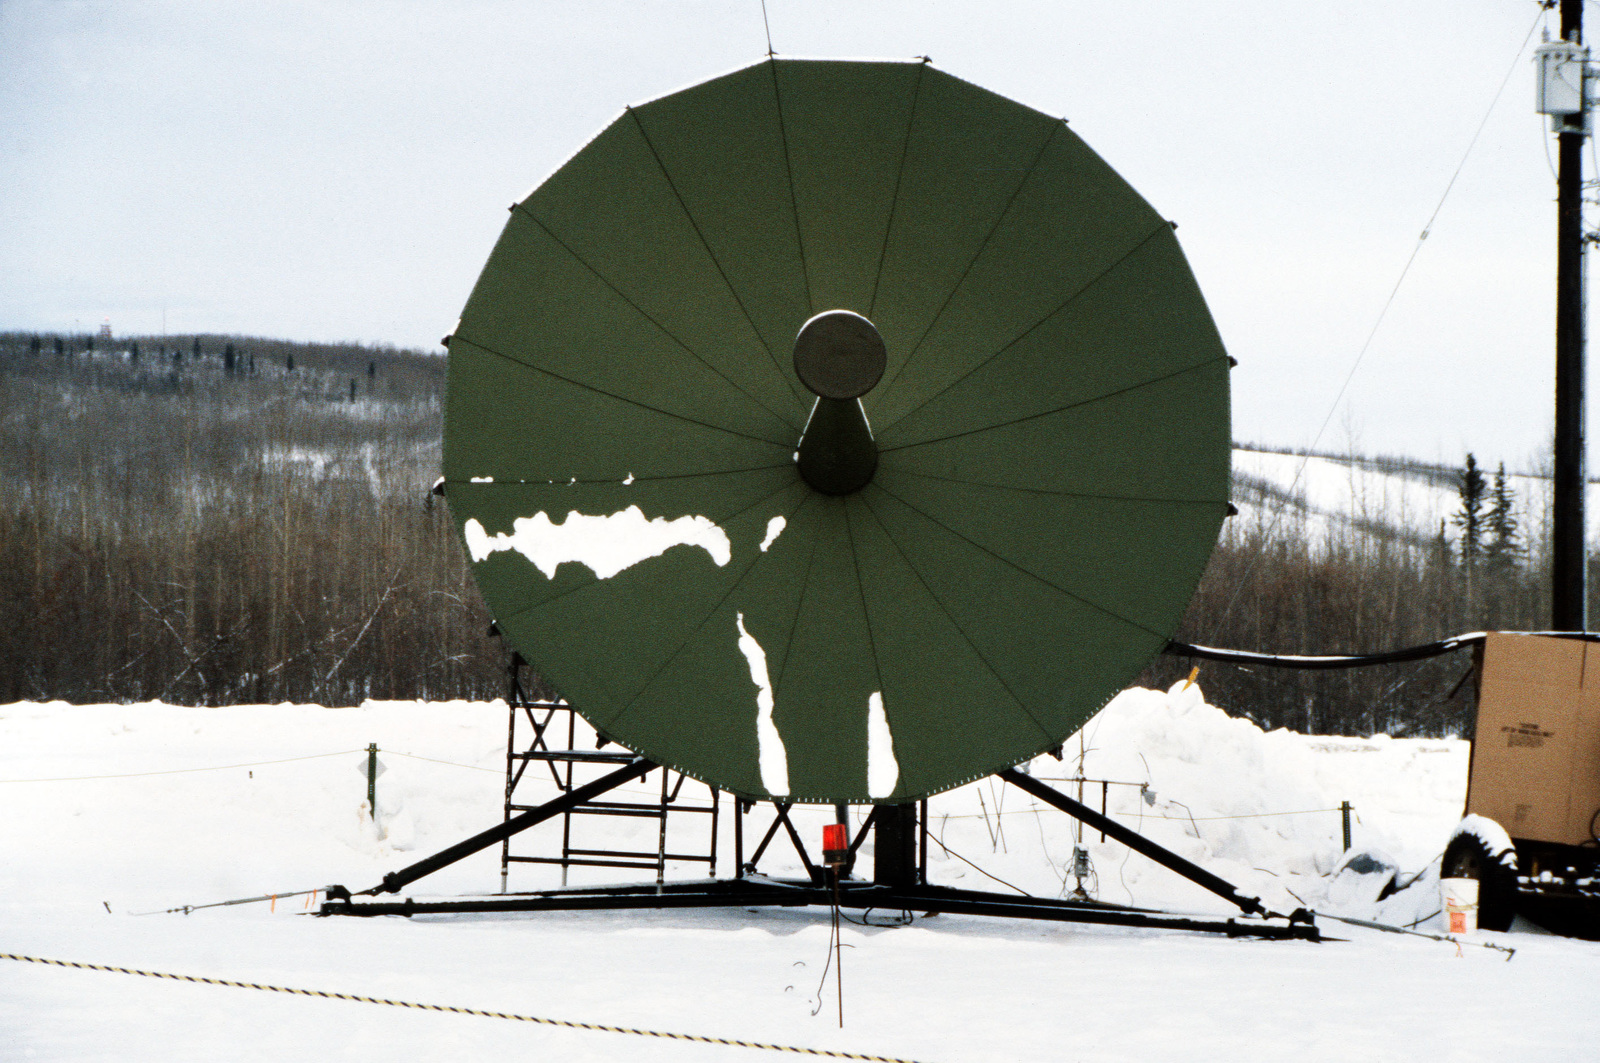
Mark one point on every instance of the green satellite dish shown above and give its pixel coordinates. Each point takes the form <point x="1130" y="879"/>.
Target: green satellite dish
<point x="949" y="574"/>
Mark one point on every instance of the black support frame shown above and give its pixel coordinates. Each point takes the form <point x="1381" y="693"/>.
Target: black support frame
<point x="900" y="864"/>
<point x="751" y="889"/>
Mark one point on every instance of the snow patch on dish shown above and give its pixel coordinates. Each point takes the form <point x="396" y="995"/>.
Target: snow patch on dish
<point x="608" y="544"/>
<point x="775" y="528"/>
<point x="883" y="771"/>
<point x="771" y="755"/>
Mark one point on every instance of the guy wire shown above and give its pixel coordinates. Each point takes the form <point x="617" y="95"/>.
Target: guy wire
<point x="768" y="27"/>
<point x="1382" y="313"/>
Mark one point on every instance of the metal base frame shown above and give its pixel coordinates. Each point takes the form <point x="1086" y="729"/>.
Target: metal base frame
<point x="900" y="865"/>
<point x="760" y="892"/>
<point x="750" y="890"/>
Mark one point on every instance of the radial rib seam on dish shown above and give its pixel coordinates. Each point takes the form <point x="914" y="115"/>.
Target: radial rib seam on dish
<point x="956" y="624"/>
<point x="619" y="398"/>
<point x="799" y="607"/>
<point x="1097" y="607"/>
<point x="597" y="582"/>
<point x="872" y="646"/>
<point x="861" y="591"/>
<point x="1085" y="495"/>
<point x="704" y="620"/>
<point x="695" y="225"/>
<point x="789" y="464"/>
<point x="622" y="711"/>
<point x="1025" y="333"/>
<point x="888" y="385"/>
<point x="603" y="279"/>
<point x="603" y="724"/>
<point x="794" y="204"/>
<point x="1163" y="378"/>
<point x="894" y="199"/>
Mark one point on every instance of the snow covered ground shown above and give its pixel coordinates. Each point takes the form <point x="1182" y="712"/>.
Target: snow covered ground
<point x="82" y="857"/>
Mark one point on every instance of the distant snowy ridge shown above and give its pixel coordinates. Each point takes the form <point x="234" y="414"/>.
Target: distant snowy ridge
<point x="1399" y="501"/>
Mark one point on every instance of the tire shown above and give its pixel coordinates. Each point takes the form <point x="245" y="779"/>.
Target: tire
<point x="1468" y="857"/>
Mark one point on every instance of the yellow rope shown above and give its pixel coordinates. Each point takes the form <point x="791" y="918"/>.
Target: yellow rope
<point x="456" y="1011"/>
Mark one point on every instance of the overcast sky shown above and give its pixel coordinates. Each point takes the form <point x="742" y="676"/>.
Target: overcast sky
<point x="339" y="169"/>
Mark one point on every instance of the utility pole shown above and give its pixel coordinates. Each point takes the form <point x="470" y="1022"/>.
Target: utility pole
<point x="1563" y="95"/>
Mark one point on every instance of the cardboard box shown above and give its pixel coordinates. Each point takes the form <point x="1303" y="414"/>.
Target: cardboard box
<point x="1536" y="751"/>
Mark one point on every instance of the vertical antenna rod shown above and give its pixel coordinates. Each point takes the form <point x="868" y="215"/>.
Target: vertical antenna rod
<point x="1569" y="597"/>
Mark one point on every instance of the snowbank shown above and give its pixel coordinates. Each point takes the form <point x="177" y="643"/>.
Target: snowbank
<point x="256" y="799"/>
<point x="281" y="803"/>
<point x="1260" y="809"/>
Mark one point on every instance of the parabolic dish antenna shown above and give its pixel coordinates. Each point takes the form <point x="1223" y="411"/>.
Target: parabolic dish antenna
<point x="895" y="605"/>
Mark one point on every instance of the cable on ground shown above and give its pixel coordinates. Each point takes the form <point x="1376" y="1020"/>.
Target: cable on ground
<point x="453" y="1010"/>
<point x="1387" y="929"/>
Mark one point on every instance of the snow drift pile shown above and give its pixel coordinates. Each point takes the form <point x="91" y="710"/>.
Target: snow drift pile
<point x="1263" y="810"/>
<point x="1259" y="809"/>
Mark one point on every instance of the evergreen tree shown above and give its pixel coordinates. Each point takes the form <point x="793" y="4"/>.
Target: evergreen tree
<point x="227" y="358"/>
<point x="1469" y="518"/>
<point x="197" y="346"/>
<point x="1501" y="550"/>
<point x="1441" y="572"/>
<point x="133" y="352"/>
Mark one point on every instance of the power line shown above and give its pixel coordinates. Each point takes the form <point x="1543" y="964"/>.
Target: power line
<point x="1383" y="312"/>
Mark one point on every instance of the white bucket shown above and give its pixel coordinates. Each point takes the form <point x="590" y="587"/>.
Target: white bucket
<point x="1460" y="904"/>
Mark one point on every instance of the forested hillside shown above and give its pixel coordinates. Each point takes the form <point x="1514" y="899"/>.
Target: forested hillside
<point x="223" y="519"/>
<point x="209" y="519"/>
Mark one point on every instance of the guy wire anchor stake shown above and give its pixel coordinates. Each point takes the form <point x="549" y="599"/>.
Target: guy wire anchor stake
<point x="371" y="767"/>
